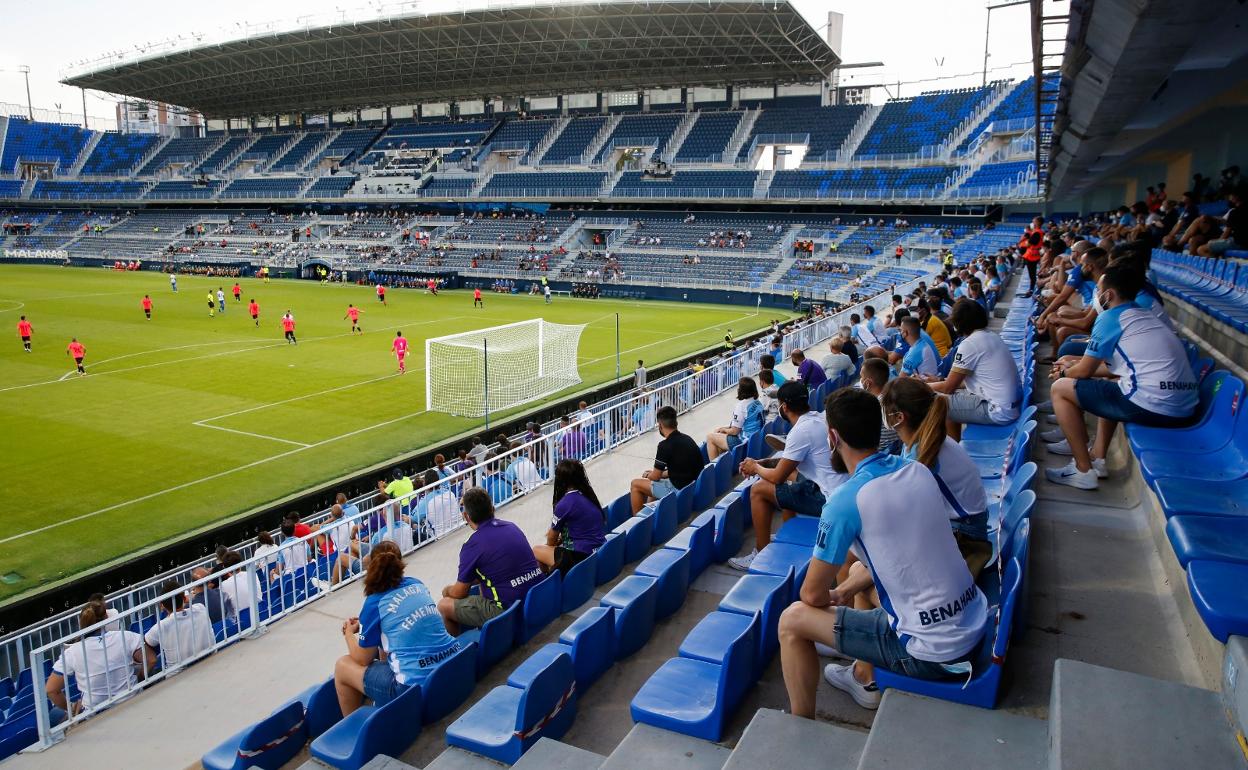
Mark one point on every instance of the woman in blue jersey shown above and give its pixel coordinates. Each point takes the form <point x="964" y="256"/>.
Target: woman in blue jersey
<point x="397" y="640"/>
<point x="918" y="414"/>
<point x="747" y="419"/>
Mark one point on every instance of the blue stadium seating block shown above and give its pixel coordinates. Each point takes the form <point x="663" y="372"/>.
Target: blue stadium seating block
<point x="1179" y="496"/>
<point x="591" y="638"/>
<point x="269" y="743"/>
<point x="767" y="596"/>
<point x="371" y="730"/>
<point x="671" y="567"/>
<point x="699" y="539"/>
<point x="633" y="599"/>
<point x="638" y="533"/>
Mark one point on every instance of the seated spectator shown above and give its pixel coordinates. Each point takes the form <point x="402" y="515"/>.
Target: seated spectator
<point x="917" y="413"/>
<point x="847" y="345"/>
<point x="747" y="419"/>
<point x="521" y="471"/>
<point x="1155" y="385"/>
<point x="874" y="376"/>
<point x="677" y="463"/>
<point x="577" y="528"/>
<point x="497" y="558"/>
<point x="863" y="333"/>
<point x="266" y="553"/>
<point x="768" y="362"/>
<point x="1234" y="229"/>
<point x="109" y="612"/>
<point x="572" y="443"/>
<point x="343" y="538"/>
<point x="183" y="632"/>
<point x="983" y="385"/>
<point x="396" y="641"/>
<point x="767" y="395"/>
<point x="837" y="363"/>
<point x="292" y="554"/>
<point x="438" y="510"/>
<point x="209" y="594"/>
<point x="106" y="663"/>
<point x="935" y="327"/>
<point x="796" y="482"/>
<point x="921" y="358"/>
<point x="893" y="510"/>
<point x="808" y="371"/>
<point x="241" y="585"/>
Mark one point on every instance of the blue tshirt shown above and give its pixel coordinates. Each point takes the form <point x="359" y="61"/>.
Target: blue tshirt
<point x="579" y="522"/>
<point x="922" y="357"/>
<point x="1085" y="286"/>
<point x="405" y="623"/>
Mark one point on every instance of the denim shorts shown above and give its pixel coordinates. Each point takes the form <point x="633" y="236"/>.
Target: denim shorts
<point x="868" y="636"/>
<point x="1104" y="398"/>
<point x="1075" y="345"/>
<point x="660" y="488"/>
<point x="379" y="683"/>
<point x="965" y="407"/>
<point x="803" y="496"/>
<point x="734" y="441"/>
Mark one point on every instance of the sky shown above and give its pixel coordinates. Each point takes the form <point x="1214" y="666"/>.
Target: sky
<point x="924" y="45"/>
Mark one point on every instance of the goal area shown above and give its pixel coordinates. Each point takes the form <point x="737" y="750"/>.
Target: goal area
<point x="475" y="373"/>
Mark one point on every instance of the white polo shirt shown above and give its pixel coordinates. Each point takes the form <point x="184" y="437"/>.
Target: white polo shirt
<point x="241" y="587"/>
<point x="990" y="373"/>
<point x="182" y="635"/>
<point x="103" y="665"/>
<point x="807" y="445"/>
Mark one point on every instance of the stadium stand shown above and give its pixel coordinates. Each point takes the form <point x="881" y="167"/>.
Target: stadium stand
<point x="344" y="147"/>
<point x="331" y="186"/>
<point x="262" y="151"/>
<point x="269" y="187"/>
<point x="118" y="154"/>
<point x="225" y="153"/>
<point x="47" y="189"/>
<point x="999" y="174"/>
<point x="924" y="182"/>
<point x="908" y="125"/>
<point x="827" y="128"/>
<point x="571" y="145"/>
<point x="184" y="151"/>
<point x="44" y="142"/>
<point x="296" y="157"/>
<point x="544" y="184"/>
<point x="184" y="189"/>
<point x="651" y="130"/>
<point x="687" y="184"/>
<point x="433" y="135"/>
<point x="708" y="139"/>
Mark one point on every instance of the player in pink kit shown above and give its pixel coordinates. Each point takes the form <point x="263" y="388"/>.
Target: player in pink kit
<point x="399" y="346"/>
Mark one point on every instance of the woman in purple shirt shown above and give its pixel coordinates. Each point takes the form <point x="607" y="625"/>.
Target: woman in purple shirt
<point x="577" y="528"/>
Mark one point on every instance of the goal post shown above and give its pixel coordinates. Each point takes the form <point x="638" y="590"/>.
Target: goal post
<point x="472" y="374"/>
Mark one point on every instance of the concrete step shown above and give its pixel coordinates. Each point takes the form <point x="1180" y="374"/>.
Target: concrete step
<point x="651" y="748"/>
<point x="382" y="762"/>
<point x="1108" y="719"/>
<point x="776" y="739"/>
<point x="458" y="759"/>
<point x="914" y="732"/>
<point x="549" y="754"/>
<point x="1235" y="680"/>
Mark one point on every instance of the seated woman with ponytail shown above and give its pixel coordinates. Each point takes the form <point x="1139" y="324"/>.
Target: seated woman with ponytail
<point x="578" y="526"/>
<point x="747" y="419"/>
<point x="918" y="415"/>
<point x="396" y="641"/>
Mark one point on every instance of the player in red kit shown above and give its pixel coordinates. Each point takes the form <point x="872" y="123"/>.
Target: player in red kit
<point x="238" y="292"/>
<point x="254" y="309"/>
<point x="288" y="326"/>
<point x="353" y="313"/>
<point x="147" y="306"/>
<point x="431" y="286"/>
<point x="476" y="298"/>
<point x="25" y="330"/>
<point x="77" y="351"/>
<point x="399" y="346"/>
<point x="381" y="294"/>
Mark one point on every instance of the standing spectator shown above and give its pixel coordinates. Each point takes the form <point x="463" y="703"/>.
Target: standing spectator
<point x="808" y="371"/>
<point x="985" y="369"/>
<point x="576" y="530"/>
<point x="184" y="631"/>
<point x="639" y="375"/>
<point x="396" y="641"/>
<point x="209" y="594"/>
<point x="497" y="557"/>
<point x="102" y="662"/>
<point x="747" y="419"/>
<point x="837" y="363"/>
<point x="677" y="463"/>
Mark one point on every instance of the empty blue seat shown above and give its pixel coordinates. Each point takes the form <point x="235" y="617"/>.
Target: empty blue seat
<point x="684" y="502"/>
<point x="1227" y="462"/>
<point x="671" y="567"/>
<point x="618" y="511"/>
<point x="712" y="638"/>
<point x="610" y="558"/>
<point x="494" y="639"/>
<point x="1209" y="538"/>
<point x="1179" y="496"/>
<point x="699" y="539"/>
<point x="704" y="489"/>
<point x="591" y="638"/>
<point x="728" y="518"/>
<point x="638" y="535"/>
<point x="779" y="558"/>
<point x="725" y="469"/>
<point x="321" y="707"/>
<point x="537" y="701"/>
<point x="756" y="446"/>
<point x="664" y="513"/>
<point x="799" y="530"/>
<point x="579" y="583"/>
<point x="1217" y="590"/>
<point x="450" y="683"/>
<point x="995" y="432"/>
<point x="633" y="599"/>
<point x="371" y="730"/>
<point x="542" y="604"/>
<point x="269" y="743"/>
<point x="766" y="595"/>
<point x="695" y="697"/>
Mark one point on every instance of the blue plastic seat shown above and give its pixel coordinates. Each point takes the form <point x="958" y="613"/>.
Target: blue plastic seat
<point x="494" y="639"/>
<point x="638" y="535"/>
<point x="699" y="539"/>
<point x="610" y="558"/>
<point x="756" y="445"/>
<point x="633" y="599"/>
<point x="704" y="489"/>
<point x="711" y="639"/>
<point x="1019" y="480"/>
<point x="725" y="469"/>
<point x="537" y="701"/>
<point x="372" y="730"/>
<point x="1020" y="509"/>
<point x="684" y="502"/>
<point x="591" y="638"/>
<point x="671" y="568"/>
<point x="1179" y="496"/>
<point x="779" y="558"/>
<point x="768" y="596"/>
<point x="620" y="509"/>
<point x="579" y="583"/>
<point x="1220" y="393"/>
<point x="542" y="604"/>
<point x="799" y="530"/>
<point x="729" y="525"/>
<point x="450" y="683"/>
<point x="1208" y="538"/>
<point x="695" y="697"/>
<point x="973" y="432"/>
<point x="664" y="513"/>
<point x="321" y="707"/>
<point x="1217" y="590"/>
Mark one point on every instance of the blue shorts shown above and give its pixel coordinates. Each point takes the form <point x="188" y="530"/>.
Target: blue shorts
<point x="734" y="441"/>
<point x="1075" y="345"/>
<point x="661" y="488"/>
<point x="803" y="496"/>
<point x="1104" y="398"/>
<point x="868" y="635"/>
<point x="379" y="683"/>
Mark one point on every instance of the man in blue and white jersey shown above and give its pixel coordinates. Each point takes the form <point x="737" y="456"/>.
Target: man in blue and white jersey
<point x="908" y="602"/>
<point x="921" y="358"/>
<point x="1135" y="370"/>
<point x="863" y="334"/>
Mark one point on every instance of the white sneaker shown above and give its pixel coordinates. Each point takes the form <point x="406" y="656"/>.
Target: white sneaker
<point x="1052" y="436"/>
<point x="1045" y="406"/>
<point x="830" y="652"/>
<point x="1098" y="465"/>
<point x="743" y="562"/>
<point x="1070" y="476"/>
<point x="842" y="678"/>
<point x="1059" y="447"/>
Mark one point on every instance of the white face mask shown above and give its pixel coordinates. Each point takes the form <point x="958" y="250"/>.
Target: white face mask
<point x="1096" y="303"/>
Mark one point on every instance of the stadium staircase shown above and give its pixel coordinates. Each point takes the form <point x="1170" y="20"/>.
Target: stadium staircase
<point x="4" y="133"/>
<point x="613" y="178"/>
<point x="680" y="135"/>
<point x="762" y="183"/>
<point x="155" y="150"/>
<point x="972" y="121"/>
<point x="600" y="139"/>
<point x="534" y="158"/>
<point x="859" y="131"/>
<point x="744" y="129"/>
<point x="81" y="160"/>
<point x="226" y="168"/>
<point x="267" y="166"/>
<point x="780" y="269"/>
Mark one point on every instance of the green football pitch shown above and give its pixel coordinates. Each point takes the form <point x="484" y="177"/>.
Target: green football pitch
<point x="185" y="421"/>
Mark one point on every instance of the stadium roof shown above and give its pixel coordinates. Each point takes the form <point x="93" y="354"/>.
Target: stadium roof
<point x="536" y="49"/>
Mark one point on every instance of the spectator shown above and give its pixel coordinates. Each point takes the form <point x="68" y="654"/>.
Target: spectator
<point x="478" y="452"/>
<point x="639" y="375"/>
<point x="747" y="419"/>
<point x="209" y="594"/>
<point x="808" y="371"/>
<point x="935" y="327"/>
<point x="921" y="359"/>
<point x="863" y="333"/>
<point x="572" y="444"/>
<point x="847" y="345"/>
<point x="768" y="362"/>
<point x="241" y="584"/>
<point x="1155" y="385"/>
<point x="893" y="510"/>
<point x="109" y="612"/>
<point x="400" y="490"/>
<point x="398" y="530"/>
<point x="1031" y="258"/>
<point x="1234" y="231"/>
<point x="917" y="413"/>
<point x="576" y="530"/>
<point x="497" y="557"/>
<point x="805" y="451"/>
<point x="184" y="632"/>
<point x="521" y="472"/>
<point x="267" y="555"/>
<point x="767" y="395"/>
<point x="437" y="511"/>
<point x="837" y="363"/>
<point x="343" y="540"/>
<point x="292" y="554"/>
<point x="395" y="642"/>
<point x="102" y="663"/>
<point x="874" y="377"/>
<point x="986" y="371"/>
<point x="677" y="463"/>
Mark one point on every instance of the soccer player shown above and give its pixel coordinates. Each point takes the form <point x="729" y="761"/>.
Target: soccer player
<point x="173" y="282"/>
<point x="476" y="298"/>
<point x="431" y="286"/>
<point x="288" y="326"/>
<point x="381" y="294"/>
<point x="399" y="346"/>
<point x="147" y="306"/>
<point x="25" y="330"/>
<point x="353" y="313"/>
<point x="546" y="289"/>
<point x="254" y="309"/>
<point x="238" y="292"/>
<point x="221" y="299"/>
<point x="77" y="351"/>
<point x="211" y="304"/>
<point x="264" y="271"/>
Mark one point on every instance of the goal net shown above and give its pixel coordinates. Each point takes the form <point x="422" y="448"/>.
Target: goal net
<point x="500" y="367"/>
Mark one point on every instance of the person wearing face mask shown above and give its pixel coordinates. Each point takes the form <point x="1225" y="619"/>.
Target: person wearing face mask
<point x="933" y="617"/>
<point x="1154" y="384"/>
<point x="1069" y="332"/>
<point x="921" y="357"/>
<point x="873" y="377"/>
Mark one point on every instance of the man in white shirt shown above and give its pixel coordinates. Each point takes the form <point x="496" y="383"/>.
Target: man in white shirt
<point x="185" y="630"/>
<point x="863" y="334"/>
<point x="836" y="362"/>
<point x="805" y="451"/>
<point x="241" y="585"/>
<point x="639" y="375"/>
<point x="292" y="554"/>
<point x="984" y="367"/>
<point x="105" y="664"/>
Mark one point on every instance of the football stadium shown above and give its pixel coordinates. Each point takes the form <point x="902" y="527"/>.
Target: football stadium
<point x="626" y="383"/>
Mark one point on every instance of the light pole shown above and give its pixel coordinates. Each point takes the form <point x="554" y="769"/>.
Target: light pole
<point x="25" y="70"/>
<point x="988" y="26"/>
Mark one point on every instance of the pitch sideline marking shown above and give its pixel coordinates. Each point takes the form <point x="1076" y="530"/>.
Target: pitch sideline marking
<point x="253" y="435"/>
